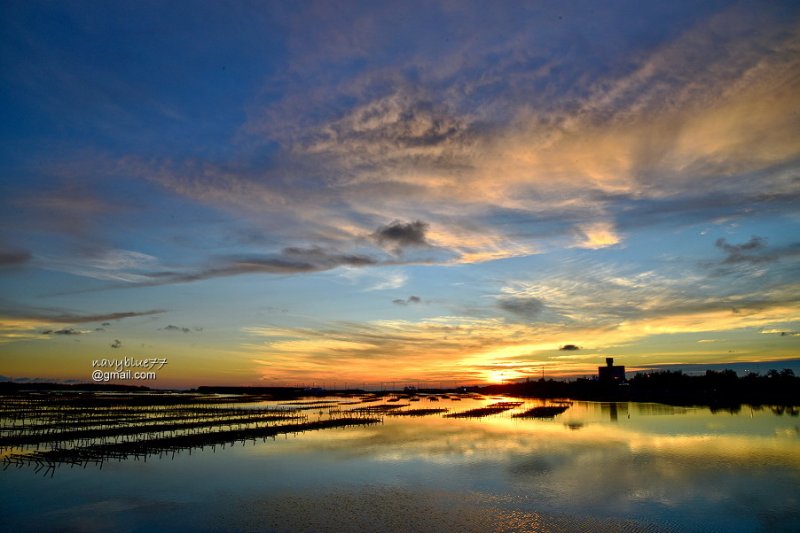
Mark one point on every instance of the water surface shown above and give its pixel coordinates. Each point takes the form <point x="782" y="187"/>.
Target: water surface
<point x="596" y="466"/>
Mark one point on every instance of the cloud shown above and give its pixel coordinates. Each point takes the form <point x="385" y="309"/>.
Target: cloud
<point x="20" y="322"/>
<point x="747" y="252"/>
<point x="14" y="257"/>
<point x="597" y="235"/>
<point x="453" y="152"/>
<point x="322" y="259"/>
<point x="404" y="123"/>
<point x="511" y="138"/>
<point x="126" y="266"/>
<point x="780" y="332"/>
<point x="456" y="347"/>
<point x="65" y="331"/>
<point x="569" y="347"/>
<point x="526" y="307"/>
<point x="596" y="294"/>
<point x="172" y="327"/>
<point x="407" y="301"/>
<point x="116" y="344"/>
<point x="292" y="260"/>
<point x="755" y="259"/>
<point x="455" y="132"/>
<point x="45" y="315"/>
<point x="402" y="234"/>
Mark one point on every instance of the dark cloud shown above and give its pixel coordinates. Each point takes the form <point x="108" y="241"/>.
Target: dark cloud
<point x="172" y="327"/>
<point x="525" y="307"/>
<point x="751" y="254"/>
<point x="402" y="234"/>
<point x="116" y="344"/>
<point x="747" y="252"/>
<point x="410" y="300"/>
<point x="13" y="257"/>
<point x="65" y="331"/>
<point x="570" y="347"/>
<point x="55" y="315"/>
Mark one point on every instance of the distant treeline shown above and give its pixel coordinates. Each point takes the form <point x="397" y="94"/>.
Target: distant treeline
<point x="10" y="387"/>
<point x="723" y="388"/>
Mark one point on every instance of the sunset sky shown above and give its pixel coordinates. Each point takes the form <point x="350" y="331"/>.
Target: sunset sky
<point x="283" y="193"/>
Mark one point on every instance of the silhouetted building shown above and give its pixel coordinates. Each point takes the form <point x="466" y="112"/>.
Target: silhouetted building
<point x="610" y="372"/>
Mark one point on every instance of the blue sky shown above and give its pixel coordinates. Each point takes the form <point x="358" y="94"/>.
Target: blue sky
<point x="415" y="191"/>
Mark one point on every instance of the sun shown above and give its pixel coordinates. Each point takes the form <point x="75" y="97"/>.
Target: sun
<point x="497" y="376"/>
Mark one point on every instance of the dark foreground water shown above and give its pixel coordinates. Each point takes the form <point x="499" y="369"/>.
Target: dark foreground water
<point x="595" y="467"/>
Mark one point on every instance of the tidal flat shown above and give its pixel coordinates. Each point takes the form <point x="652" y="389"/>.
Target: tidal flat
<point x="394" y="462"/>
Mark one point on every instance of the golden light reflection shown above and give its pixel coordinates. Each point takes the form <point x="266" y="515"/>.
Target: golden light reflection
<point x="695" y="436"/>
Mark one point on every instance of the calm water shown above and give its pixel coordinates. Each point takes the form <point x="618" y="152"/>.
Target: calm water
<point x="596" y="467"/>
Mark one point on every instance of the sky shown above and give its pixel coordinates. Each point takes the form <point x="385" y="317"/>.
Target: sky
<point x="430" y="193"/>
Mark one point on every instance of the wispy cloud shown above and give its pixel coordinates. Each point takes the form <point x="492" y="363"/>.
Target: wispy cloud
<point x="50" y="316"/>
<point x="290" y="261"/>
<point x="125" y="266"/>
<point x="781" y="332"/>
<point x="373" y="279"/>
<point x="19" y="322"/>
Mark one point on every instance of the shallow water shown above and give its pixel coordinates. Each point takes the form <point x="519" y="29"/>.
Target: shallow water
<point x="620" y="467"/>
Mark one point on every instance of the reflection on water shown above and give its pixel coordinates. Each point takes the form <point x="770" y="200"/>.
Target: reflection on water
<point x="593" y="466"/>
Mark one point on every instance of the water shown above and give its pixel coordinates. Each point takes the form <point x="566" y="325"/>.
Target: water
<point x="620" y="467"/>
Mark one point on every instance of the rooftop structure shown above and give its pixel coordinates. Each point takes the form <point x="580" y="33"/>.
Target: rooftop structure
<point x="610" y="372"/>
